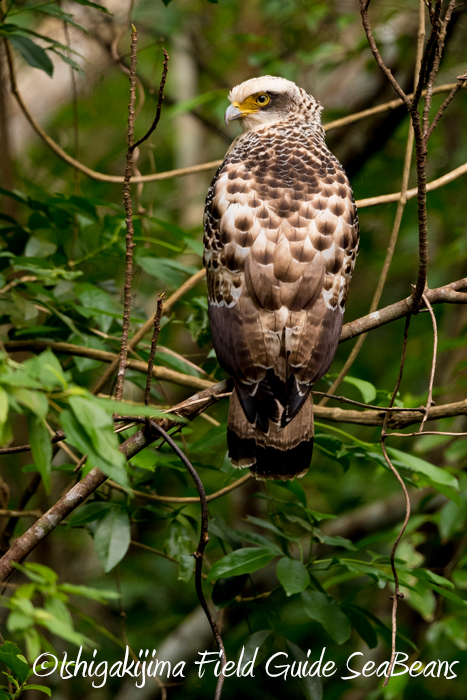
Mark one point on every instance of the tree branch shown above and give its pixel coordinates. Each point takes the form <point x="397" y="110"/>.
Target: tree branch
<point x="152" y="353"/>
<point x="179" y="172"/>
<point x="122" y="361"/>
<point x="183" y="499"/>
<point x="57" y="437"/>
<point x="411" y="194"/>
<point x="199" y="554"/>
<point x="25" y="544"/>
<point x="374" y="49"/>
<point x="449" y="294"/>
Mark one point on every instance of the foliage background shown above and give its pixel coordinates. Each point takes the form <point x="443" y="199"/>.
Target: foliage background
<point x="67" y="231"/>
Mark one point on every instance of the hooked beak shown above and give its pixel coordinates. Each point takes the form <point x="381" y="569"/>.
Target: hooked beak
<point x="232" y="112"/>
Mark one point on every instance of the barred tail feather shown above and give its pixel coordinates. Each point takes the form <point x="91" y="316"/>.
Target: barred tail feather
<point x="281" y="453"/>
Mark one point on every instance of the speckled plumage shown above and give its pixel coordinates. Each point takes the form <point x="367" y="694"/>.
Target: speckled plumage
<point x="281" y="238"/>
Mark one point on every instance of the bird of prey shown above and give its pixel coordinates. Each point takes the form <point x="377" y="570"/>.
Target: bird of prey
<point x="280" y="242"/>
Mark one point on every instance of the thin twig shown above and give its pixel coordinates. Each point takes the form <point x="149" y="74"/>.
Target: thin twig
<point x="119" y="61"/>
<point x="58" y="437"/>
<point x="5" y="513"/>
<point x="134" y="543"/>
<point x="460" y="84"/>
<point x="155" y="337"/>
<point x="25" y="497"/>
<point x="182" y="499"/>
<point x="398" y="218"/>
<point x="412" y="193"/>
<point x="179" y="172"/>
<point x="374" y="49"/>
<point x="425" y="432"/>
<point x="384" y="107"/>
<point x="159" y="103"/>
<point x="439" y="29"/>
<point x="433" y="362"/>
<point x="434" y="47"/>
<point x="203" y="540"/>
<point x="80" y="464"/>
<point x="16" y="282"/>
<point x="122" y="363"/>
<point x="343" y="399"/>
<point x="397" y="594"/>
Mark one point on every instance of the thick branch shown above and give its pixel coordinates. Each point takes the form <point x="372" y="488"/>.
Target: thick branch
<point x="24" y="545"/>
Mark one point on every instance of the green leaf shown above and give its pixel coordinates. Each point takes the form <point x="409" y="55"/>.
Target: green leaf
<point x="416" y="464"/>
<point x="41" y="688"/>
<point x="47" y="369"/>
<point x="366" y="389"/>
<point x="180" y="547"/>
<point x="65" y="631"/>
<point x="96" y="299"/>
<point x="91" y="431"/>
<point x="41" y="448"/>
<point x="241" y="561"/>
<point x="218" y="527"/>
<point x="33" y="400"/>
<point x="452" y="518"/>
<point x="112" y="538"/>
<point x="292" y="575"/>
<point x="18" y="621"/>
<point x="32" y="53"/>
<point x="55" y="11"/>
<point x="226" y="589"/>
<point x="131" y="409"/>
<point x="257" y="641"/>
<point x="87" y="592"/>
<point x="12" y="656"/>
<point x="89" y="512"/>
<point x="430" y="576"/>
<point x="58" y="609"/>
<point x="449" y="595"/>
<point x="33" y="645"/>
<point x="269" y="526"/>
<point x="260" y="540"/>
<point x="38" y="572"/>
<point x="39" y="248"/>
<point x="3" y="406"/>
<point x="295" y="488"/>
<point x="336" y="541"/>
<point x="361" y="625"/>
<point x="326" y="611"/>
<point x="212" y="439"/>
<point x="311" y="685"/>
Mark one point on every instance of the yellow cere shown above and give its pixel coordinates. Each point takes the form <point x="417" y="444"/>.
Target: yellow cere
<point x="251" y="104"/>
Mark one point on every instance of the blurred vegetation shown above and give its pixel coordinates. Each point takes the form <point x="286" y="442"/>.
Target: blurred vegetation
<point x="280" y="582"/>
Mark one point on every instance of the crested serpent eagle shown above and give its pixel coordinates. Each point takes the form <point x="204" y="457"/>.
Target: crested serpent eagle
<point x="280" y="242"/>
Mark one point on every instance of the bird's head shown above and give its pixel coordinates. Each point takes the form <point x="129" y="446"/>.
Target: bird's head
<point x="267" y="100"/>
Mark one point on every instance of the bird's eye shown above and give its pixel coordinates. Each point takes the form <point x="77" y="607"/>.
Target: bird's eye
<point x="262" y="100"/>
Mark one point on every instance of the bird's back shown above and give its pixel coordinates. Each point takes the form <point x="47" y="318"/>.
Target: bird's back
<point x="281" y="238"/>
